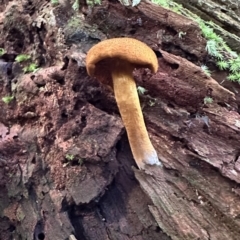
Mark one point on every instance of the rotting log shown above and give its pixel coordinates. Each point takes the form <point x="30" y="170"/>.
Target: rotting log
<point x="225" y="14"/>
<point x="195" y="151"/>
<point x="65" y="162"/>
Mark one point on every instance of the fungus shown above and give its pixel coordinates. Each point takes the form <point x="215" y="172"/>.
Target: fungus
<point x="112" y="62"/>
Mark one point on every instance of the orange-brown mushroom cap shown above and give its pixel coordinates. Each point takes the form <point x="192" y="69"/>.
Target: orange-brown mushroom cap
<point x="112" y="62"/>
<point x="100" y="58"/>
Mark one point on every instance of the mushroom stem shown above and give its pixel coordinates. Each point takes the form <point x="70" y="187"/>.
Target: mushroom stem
<point x="129" y="107"/>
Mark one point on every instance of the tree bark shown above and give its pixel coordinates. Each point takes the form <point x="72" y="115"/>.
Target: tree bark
<point x="225" y="15"/>
<point x="66" y="169"/>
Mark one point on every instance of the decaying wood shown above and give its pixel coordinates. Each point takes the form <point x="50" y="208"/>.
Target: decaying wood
<point x="189" y="201"/>
<point x="185" y="209"/>
<point x="195" y="78"/>
<point x="65" y="162"/>
<point x="178" y="24"/>
<point x="225" y="15"/>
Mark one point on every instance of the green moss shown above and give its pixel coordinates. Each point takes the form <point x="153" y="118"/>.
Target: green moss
<point x="206" y="70"/>
<point x="141" y="90"/>
<point x="163" y="3"/>
<point x="225" y="57"/>
<point x="91" y="3"/>
<point x="30" y="68"/>
<point x="207" y="100"/>
<point x="22" y="58"/>
<point x="2" y="51"/>
<point x="70" y="157"/>
<point x="54" y="2"/>
<point x="7" y="99"/>
<point x="75" y="5"/>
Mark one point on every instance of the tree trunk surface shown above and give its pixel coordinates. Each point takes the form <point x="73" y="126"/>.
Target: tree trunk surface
<point x="225" y="15"/>
<point x="66" y="168"/>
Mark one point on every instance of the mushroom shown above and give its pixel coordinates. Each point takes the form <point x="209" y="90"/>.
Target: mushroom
<point x="112" y="62"/>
